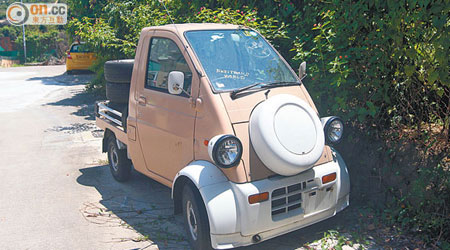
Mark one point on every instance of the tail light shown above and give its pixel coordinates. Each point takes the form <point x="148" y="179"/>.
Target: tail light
<point x="69" y="56"/>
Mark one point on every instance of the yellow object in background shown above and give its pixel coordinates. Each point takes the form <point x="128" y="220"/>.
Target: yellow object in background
<point x="79" y="58"/>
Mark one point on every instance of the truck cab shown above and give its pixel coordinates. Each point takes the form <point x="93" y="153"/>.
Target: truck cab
<point x="216" y="114"/>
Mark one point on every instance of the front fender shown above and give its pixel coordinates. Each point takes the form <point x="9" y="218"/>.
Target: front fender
<point x="343" y="175"/>
<point x="217" y="195"/>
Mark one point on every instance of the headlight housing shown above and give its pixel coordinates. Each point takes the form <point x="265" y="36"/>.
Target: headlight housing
<point x="225" y="150"/>
<point x="333" y="128"/>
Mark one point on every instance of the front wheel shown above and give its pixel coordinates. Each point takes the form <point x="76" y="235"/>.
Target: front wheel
<point x="119" y="164"/>
<point x="195" y="219"/>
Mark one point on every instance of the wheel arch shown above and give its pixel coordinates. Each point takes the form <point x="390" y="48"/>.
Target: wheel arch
<point x="177" y="194"/>
<point x="194" y="174"/>
<point x="108" y="133"/>
<point x="222" y="211"/>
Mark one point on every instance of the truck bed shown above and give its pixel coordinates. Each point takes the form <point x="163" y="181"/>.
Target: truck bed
<point x="110" y="118"/>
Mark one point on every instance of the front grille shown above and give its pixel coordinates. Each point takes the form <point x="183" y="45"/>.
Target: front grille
<point x="287" y="199"/>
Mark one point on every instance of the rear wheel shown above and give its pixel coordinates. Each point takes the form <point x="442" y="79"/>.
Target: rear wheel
<point x="195" y="219"/>
<point x="119" y="164"/>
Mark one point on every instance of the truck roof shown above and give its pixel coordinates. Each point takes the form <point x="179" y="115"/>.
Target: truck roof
<point x="194" y="26"/>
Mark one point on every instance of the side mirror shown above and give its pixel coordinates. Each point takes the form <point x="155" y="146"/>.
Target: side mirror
<point x="302" y="70"/>
<point x="175" y="82"/>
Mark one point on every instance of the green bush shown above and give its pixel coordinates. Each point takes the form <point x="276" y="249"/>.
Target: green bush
<point x="10" y="31"/>
<point x="425" y="208"/>
<point x="366" y="55"/>
<point x="41" y="44"/>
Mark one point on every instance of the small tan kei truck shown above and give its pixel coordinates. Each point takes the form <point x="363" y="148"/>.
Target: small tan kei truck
<point x="215" y="113"/>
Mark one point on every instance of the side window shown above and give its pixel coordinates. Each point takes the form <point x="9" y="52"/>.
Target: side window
<point x="165" y="56"/>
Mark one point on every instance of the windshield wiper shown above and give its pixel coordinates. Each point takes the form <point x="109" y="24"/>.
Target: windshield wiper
<point x="279" y="84"/>
<point x="236" y="91"/>
<point x="263" y="86"/>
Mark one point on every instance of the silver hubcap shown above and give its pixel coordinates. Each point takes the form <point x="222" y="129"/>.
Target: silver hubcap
<point x="192" y="220"/>
<point x="114" y="158"/>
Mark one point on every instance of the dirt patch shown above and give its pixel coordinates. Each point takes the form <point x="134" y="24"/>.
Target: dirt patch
<point x="73" y="128"/>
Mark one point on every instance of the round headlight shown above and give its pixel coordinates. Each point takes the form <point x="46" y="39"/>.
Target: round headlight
<point x="225" y="150"/>
<point x="334" y="129"/>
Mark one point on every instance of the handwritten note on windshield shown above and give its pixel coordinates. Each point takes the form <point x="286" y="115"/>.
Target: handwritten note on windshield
<point x="232" y="74"/>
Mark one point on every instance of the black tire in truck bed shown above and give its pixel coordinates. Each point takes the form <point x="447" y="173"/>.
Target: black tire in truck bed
<point x="119" y="71"/>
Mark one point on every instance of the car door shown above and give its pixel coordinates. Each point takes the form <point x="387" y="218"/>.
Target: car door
<point x="165" y="122"/>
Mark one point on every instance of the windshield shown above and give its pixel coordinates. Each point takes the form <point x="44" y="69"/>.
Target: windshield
<point x="234" y="59"/>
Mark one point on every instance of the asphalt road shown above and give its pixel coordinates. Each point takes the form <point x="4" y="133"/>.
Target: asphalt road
<point x="56" y="191"/>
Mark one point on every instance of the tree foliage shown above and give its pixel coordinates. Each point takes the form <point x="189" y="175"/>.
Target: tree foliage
<point x="370" y="55"/>
<point x="42" y="42"/>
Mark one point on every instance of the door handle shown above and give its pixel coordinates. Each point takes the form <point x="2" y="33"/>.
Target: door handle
<point x="142" y="100"/>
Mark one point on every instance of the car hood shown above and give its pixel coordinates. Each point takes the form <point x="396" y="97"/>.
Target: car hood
<point x="240" y="109"/>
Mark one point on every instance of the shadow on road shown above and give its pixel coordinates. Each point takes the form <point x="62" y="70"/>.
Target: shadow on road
<point x="83" y="101"/>
<point x="64" y="79"/>
<point x="140" y="204"/>
<point x="145" y="206"/>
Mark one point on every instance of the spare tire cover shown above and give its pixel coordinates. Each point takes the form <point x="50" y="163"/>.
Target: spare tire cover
<point x="286" y="134"/>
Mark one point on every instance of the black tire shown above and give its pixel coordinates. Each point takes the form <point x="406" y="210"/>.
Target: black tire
<point x="117" y="92"/>
<point x="119" y="164"/>
<point x="195" y="219"/>
<point x="119" y="71"/>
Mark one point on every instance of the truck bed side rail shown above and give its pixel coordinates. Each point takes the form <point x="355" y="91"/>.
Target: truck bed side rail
<point x="102" y="111"/>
